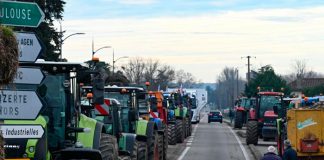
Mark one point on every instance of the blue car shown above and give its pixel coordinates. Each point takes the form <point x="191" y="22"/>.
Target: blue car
<point x="215" y="116"/>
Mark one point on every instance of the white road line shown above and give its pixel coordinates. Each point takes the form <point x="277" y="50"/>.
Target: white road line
<point x="184" y="152"/>
<point x="241" y="146"/>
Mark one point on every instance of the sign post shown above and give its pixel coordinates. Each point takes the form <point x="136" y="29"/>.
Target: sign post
<point x="29" y="76"/>
<point x="19" y="105"/>
<point x="29" y="46"/>
<point x="21" y="131"/>
<point x="25" y="14"/>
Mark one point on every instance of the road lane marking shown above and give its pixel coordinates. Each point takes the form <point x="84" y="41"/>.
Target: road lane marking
<point x="184" y="152"/>
<point x="240" y="144"/>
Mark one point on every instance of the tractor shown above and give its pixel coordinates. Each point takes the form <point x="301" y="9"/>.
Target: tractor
<point x="158" y="112"/>
<point x="68" y="134"/>
<point x="242" y="108"/>
<point x="135" y="121"/>
<point x="262" y="122"/>
<point x="168" y="103"/>
<point x="180" y="115"/>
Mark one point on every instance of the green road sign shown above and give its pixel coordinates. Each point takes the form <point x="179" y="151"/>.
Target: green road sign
<point x="26" y="14"/>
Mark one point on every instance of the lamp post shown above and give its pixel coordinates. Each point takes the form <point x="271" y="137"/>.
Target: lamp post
<point x="94" y="52"/>
<point x="114" y="61"/>
<point x="62" y="40"/>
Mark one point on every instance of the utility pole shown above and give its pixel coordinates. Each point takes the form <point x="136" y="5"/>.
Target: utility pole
<point x="237" y="82"/>
<point x="249" y="64"/>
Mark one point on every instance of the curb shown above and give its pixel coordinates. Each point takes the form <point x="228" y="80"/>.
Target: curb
<point x="255" y="152"/>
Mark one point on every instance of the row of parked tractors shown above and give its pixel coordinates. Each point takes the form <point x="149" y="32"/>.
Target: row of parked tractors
<point x="270" y="116"/>
<point x="85" y="119"/>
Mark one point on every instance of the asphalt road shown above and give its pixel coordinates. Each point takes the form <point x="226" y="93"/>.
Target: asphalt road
<point x="213" y="141"/>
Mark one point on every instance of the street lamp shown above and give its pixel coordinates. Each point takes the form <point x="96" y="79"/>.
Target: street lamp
<point x="114" y="61"/>
<point x="62" y="40"/>
<point x="94" y="52"/>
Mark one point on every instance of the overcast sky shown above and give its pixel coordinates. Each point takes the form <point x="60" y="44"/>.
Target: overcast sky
<point x="199" y="36"/>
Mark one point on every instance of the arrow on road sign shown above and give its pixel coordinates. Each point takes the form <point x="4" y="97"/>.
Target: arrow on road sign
<point x="19" y="104"/>
<point x="29" y="46"/>
<point x="22" y="131"/>
<point x="29" y="76"/>
<point x="26" y="14"/>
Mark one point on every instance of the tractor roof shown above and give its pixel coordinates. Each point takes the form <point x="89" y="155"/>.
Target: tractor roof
<point x="118" y="89"/>
<point x="271" y="93"/>
<point x="59" y="67"/>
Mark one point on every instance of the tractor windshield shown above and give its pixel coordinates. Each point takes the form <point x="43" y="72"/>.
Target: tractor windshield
<point x="267" y="102"/>
<point x="124" y="99"/>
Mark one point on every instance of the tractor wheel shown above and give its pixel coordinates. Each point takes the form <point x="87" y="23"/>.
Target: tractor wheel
<point x="172" y="134"/>
<point x="185" y="127"/>
<point x="252" y="132"/>
<point x="107" y="147"/>
<point x="180" y="131"/>
<point x="189" y="127"/>
<point x="153" y="147"/>
<point x="124" y="158"/>
<point x="160" y="146"/>
<point x="165" y="144"/>
<point x="139" y="151"/>
<point x="238" y="122"/>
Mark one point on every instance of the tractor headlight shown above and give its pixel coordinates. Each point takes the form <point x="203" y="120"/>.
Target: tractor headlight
<point x="25" y="155"/>
<point x="31" y="149"/>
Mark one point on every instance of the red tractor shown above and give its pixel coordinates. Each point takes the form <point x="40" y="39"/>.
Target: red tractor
<point x="242" y="108"/>
<point x="262" y="122"/>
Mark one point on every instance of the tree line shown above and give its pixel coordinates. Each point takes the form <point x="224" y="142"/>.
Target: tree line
<point x="266" y="79"/>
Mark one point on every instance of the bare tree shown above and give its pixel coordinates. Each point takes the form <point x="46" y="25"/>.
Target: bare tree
<point x="140" y="70"/>
<point x="150" y="70"/>
<point x="226" y="87"/>
<point x="300" y="68"/>
<point x="301" y="71"/>
<point x="166" y="74"/>
<point x="186" y="79"/>
<point x="134" y="70"/>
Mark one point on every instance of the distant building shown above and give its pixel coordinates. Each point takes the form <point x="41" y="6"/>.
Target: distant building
<point x="298" y="85"/>
<point x="302" y="83"/>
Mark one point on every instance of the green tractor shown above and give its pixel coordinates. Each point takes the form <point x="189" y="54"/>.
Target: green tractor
<point x="128" y="120"/>
<point x="68" y="134"/>
<point x="179" y="116"/>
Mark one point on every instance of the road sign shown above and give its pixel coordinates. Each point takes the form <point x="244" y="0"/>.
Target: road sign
<point x="19" y="104"/>
<point x="29" y="46"/>
<point x="22" y="131"/>
<point x="26" y="14"/>
<point x="29" y="76"/>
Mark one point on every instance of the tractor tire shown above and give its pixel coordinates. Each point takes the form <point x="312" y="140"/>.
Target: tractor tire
<point x="160" y="146"/>
<point x="165" y="144"/>
<point x="107" y="147"/>
<point x="180" y="131"/>
<point x="124" y="158"/>
<point x="252" y="133"/>
<point x="185" y="127"/>
<point x="139" y="151"/>
<point x="153" y="147"/>
<point x="172" y="134"/>
<point x="189" y="128"/>
<point x="238" y="121"/>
